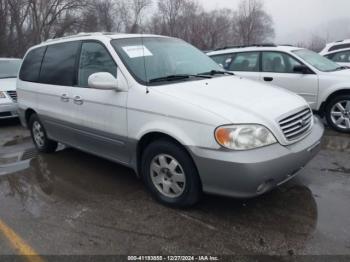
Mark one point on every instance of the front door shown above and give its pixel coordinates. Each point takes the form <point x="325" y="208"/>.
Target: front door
<point x="101" y="115"/>
<point x="278" y="69"/>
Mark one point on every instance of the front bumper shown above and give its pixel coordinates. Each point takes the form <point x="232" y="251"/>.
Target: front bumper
<point x="8" y="110"/>
<point x="246" y="174"/>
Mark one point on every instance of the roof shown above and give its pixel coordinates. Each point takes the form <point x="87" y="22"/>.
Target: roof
<point x="94" y="35"/>
<point x="336" y="51"/>
<point x="328" y="46"/>
<point x="284" y="48"/>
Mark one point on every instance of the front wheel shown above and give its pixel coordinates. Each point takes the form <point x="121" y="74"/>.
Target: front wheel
<point x="338" y="113"/>
<point x="39" y="136"/>
<point x="170" y="174"/>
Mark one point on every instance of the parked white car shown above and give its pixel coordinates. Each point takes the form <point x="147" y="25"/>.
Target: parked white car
<point x="341" y="57"/>
<point x="9" y="68"/>
<point x="335" y="46"/>
<point x="324" y="84"/>
<point x="163" y="108"/>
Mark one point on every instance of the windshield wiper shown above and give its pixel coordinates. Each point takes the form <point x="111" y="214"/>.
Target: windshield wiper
<point x="217" y="72"/>
<point x="176" y="78"/>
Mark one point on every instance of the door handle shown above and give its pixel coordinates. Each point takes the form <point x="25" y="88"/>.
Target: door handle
<point x="78" y="100"/>
<point x="268" y="79"/>
<point x="65" y="98"/>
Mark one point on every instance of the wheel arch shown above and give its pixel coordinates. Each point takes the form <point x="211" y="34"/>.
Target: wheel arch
<point x="151" y="137"/>
<point x="27" y="115"/>
<point x="343" y="91"/>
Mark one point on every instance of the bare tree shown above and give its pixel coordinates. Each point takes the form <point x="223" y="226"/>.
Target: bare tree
<point x="137" y="7"/>
<point x="4" y="21"/>
<point x="170" y="12"/>
<point x="98" y="15"/>
<point x="252" y="24"/>
<point x="24" y="23"/>
<point x="217" y="29"/>
<point x="316" y="43"/>
<point x="46" y="14"/>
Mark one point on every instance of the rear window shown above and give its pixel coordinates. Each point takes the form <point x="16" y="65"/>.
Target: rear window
<point x="30" y="69"/>
<point x="58" y="66"/>
<point x="338" y="47"/>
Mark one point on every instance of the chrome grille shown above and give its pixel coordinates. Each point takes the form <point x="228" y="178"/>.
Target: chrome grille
<point x="13" y="95"/>
<point x="297" y="125"/>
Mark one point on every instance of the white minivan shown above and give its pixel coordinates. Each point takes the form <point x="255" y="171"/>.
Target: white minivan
<point x="163" y="108"/>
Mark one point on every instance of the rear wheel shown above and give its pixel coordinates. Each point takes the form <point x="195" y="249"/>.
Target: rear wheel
<point x="338" y="113"/>
<point x="170" y="174"/>
<point x="39" y="136"/>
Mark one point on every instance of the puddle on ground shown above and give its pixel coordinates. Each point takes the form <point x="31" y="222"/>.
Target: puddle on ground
<point x="18" y="140"/>
<point x="339" y="143"/>
<point x="285" y="219"/>
<point x="16" y="161"/>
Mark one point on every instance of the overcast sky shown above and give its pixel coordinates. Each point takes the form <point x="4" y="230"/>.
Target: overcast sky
<point x="296" y="20"/>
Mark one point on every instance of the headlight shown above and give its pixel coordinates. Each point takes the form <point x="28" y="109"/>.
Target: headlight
<point x="244" y="137"/>
<point x="2" y="95"/>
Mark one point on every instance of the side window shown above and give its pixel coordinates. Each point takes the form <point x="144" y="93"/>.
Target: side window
<point x="248" y="61"/>
<point x="341" y="57"/>
<point x="94" y="58"/>
<point x="58" y="67"/>
<point x="337" y="47"/>
<point x="276" y="62"/>
<point x="31" y="65"/>
<point x="224" y="60"/>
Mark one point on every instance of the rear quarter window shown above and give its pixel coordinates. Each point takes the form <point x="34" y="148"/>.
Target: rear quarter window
<point x="58" y="66"/>
<point x="30" y="69"/>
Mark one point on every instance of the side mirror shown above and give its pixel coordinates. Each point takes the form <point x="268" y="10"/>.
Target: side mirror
<point x="302" y="69"/>
<point x="103" y="81"/>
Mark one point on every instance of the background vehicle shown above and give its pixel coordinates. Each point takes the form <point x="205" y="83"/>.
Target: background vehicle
<point x="160" y="106"/>
<point x="336" y="46"/>
<point x="341" y="57"/>
<point x="9" y="68"/>
<point x="324" y="84"/>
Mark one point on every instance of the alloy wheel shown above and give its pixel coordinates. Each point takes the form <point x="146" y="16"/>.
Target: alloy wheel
<point x="38" y="134"/>
<point x="340" y="114"/>
<point x="168" y="176"/>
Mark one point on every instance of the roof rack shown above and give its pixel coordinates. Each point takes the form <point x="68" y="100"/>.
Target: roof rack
<point x="243" y="46"/>
<point x="78" y="35"/>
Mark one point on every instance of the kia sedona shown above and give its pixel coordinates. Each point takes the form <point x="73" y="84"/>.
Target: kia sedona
<point x="163" y="108"/>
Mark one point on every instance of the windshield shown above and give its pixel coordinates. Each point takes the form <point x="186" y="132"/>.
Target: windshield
<point x="9" y="68"/>
<point x="316" y="60"/>
<point x="157" y="58"/>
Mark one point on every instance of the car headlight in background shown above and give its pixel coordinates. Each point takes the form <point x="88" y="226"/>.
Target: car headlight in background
<point x="2" y="95"/>
<point x="244" y="137"/>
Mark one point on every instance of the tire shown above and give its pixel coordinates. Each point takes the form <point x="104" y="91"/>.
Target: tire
<point x="39" y="136"/>
<point x="338" y="109"/>
<point x="174" y="179"/>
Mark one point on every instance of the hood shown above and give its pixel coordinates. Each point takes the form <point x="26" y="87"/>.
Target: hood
<point x="8" y="84"/>
<point x="236" y="99"/>
<point x="341" y="73"/>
